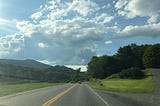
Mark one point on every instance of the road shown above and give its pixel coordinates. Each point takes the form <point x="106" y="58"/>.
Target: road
<point x="66" y="95"/>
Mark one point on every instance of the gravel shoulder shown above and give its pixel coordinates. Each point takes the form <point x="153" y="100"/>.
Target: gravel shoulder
<point x="156" y="77"/>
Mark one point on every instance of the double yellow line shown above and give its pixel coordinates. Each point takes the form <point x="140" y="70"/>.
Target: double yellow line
<point x="48" y="103"/>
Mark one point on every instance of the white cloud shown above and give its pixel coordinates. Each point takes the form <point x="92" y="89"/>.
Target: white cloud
<point x="108" y="42"/>
<point x="18" y="49"/>
<point x="104" y="18"/>
<point x="119" y="4"/>
<point x="36" y="15"/>
<point x="26" y="28"/>
<point x="83" y="7"/>
<point x="10" y="44"/>
<point x="83" y="67"/>
<point x="72" y="29"/>
<point x="75" y="35"/>
<point x="53" y="63"/>
<point x="142" y="8"/>
<point x="42" y="45"/>
<point x="151" y="30"/>
<point x="153" y="19"/>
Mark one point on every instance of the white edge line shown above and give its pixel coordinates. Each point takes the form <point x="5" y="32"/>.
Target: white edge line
<point x="105" y="102"/>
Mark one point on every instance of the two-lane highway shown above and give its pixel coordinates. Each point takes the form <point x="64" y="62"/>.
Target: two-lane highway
<point x="33" y="98"/>
<point x="64" y="95"/>
<point x="80" y="95"/>
<point x="61" y="95"/>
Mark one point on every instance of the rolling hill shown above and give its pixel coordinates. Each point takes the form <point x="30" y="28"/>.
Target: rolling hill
<point x="25" y="63"/>
<point x="34" y="70"/>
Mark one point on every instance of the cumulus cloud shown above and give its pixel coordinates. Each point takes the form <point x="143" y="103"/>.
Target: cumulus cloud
<point x="61" y="9"/>
<point x="151" y="30"/>
<point x="10" y="44"/>
<point x="104" y="18"/>
<point x="36" y="15"/>
<point x="42" y="45"/>
<point x="84" y="7"/>
<point x="153" y="19"/>
<point x="142" y="8"/>
<point x="108" y="42"/>
<point x="70" y="29"/>
<point x="121" y="3"/>
<point x="26" y="28"/>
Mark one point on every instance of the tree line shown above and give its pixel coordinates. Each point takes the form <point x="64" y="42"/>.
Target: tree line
<point x="136" y="56"/>
<point x="51" y="74"/>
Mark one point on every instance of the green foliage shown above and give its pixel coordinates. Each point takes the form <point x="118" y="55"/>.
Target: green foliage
<point x="101" y="67"/>
<point x="50" y="74"/>
<point x="77" y="75"/>
<point x="151" y="57"/>
<point x="126" y="57"/>
<point x="131" y="56"/>
<point x="131" y="73"/>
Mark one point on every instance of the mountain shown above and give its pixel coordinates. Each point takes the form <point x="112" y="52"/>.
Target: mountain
<point x="25" y="63"/>
<point x="34" y="70"/>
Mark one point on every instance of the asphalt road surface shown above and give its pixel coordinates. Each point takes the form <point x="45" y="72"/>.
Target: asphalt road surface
<point x="66" y="95"/>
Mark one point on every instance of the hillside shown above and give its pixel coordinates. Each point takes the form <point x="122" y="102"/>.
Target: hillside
<point x="25" y="63"/>
<point x="33" y="70"/>
<point x="144" y="85"/>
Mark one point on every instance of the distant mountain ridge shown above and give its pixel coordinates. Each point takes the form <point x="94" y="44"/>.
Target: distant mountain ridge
<point x="34" y="70"/>
<point x="25" y="63"/>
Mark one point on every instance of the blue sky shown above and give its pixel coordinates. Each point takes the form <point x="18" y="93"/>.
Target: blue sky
<point x="70" y="32"/>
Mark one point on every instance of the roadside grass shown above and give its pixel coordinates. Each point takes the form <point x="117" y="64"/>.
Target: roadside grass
<point x="7" y="89"/>
<point x="144" y="85"/>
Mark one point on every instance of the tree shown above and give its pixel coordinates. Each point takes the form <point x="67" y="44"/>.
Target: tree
<point x="92" y="69"/>
<point x="126" y="57"/>
<point x="151" y="57"/>
<point x="77" y="74"/>
<point x="131" y="56"/>
<point x="102" y="67"/>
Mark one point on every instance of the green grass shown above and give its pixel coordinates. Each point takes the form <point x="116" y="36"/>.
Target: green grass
<point x="15" y="88"/>
<point x="126" y="85"/>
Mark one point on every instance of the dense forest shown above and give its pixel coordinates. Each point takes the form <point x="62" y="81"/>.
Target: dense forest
<point x="125" y="61"/>
<point x="36" y="71"/>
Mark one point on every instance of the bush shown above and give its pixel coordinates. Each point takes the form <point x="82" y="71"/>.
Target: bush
<point x="132" y="73"/>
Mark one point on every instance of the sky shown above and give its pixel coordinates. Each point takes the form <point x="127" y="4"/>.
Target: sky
<point x="70" y="32"/>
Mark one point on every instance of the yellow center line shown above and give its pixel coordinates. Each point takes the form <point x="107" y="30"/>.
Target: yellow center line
<point x="49" y="102"/>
